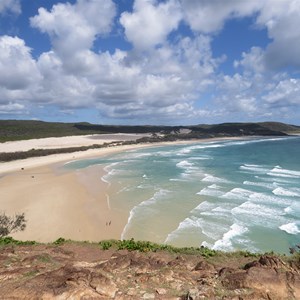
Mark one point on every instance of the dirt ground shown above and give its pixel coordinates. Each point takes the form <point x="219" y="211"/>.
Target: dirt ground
<point x="84" y="271"/>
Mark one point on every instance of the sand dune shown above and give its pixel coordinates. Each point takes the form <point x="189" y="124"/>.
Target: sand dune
<point x="67" y="141"/>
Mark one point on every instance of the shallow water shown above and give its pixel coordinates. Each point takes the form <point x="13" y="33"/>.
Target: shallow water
<point x="228" y="195"/>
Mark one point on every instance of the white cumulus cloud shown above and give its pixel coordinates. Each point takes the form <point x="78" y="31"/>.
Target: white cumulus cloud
<point x="17" y="68"/>
<point x="286" y="92"/>
<point x="209" y="16"/>
<point x="73" y="28"/>
<point x="281" y="18"/>
<point x="150" y="22"/>
<point x="168" y="74"/>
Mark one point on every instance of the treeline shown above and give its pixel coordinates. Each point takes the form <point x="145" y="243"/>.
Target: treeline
<point x="172" y="137"/>
<point x="12" y="130"/>
<point x="10" y="156"/>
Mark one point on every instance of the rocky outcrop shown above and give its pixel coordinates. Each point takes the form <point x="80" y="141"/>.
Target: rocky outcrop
<point x="84" y="271"/>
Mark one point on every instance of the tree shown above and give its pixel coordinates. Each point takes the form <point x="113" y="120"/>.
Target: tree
<point x="11" y="224"/>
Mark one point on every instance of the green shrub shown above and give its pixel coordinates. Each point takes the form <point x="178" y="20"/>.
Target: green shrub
<point x="146" y="246"/>
<point x="7" y="240"/>
<point x="105" y="245"/>
<point x="59" y="241"/>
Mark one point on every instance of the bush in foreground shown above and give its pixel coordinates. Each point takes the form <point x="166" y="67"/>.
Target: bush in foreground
<point x="146" y="246"/>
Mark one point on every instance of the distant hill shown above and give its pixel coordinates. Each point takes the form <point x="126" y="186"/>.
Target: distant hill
<point x="11" y="130"/>
<point x="265" y="128"/>
<point x="281" y="127"/>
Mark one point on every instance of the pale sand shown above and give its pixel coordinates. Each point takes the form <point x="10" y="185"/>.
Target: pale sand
<point x="56" y="205"/>
<point x="71" y="204"/>
<point x="67" y="141"/>
<point x="62" y="204"/>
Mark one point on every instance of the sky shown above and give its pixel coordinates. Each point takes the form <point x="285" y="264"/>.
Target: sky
<point x="173" y="62"/>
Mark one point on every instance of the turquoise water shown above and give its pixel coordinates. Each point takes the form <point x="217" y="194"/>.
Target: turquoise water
<point x="227" y="195"/>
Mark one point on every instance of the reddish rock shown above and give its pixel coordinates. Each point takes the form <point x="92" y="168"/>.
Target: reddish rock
<point x="81" y="271"/>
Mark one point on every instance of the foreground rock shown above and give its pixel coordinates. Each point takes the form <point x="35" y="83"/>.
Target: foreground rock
<point x="84" y="271"/>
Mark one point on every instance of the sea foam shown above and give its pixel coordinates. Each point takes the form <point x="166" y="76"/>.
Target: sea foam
<point x="212" y="190"/>
<point x="290" y="228"/>
<point x="261" y="184"/>
<point x="238" y="194"/>
<point x="140" y="208"/>
<point x="214" y="179"/>
<point x="254" y="168"/>
<point x="184" y="164"/>
<point x="225" y="243"/>
<point x="285" y="192"/>
<point x="280" y="172"/>
<point x="259" y="214"/>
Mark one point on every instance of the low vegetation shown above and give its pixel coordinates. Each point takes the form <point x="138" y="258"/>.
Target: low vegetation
<point x="13" y="130"/>
<point x="146" y="246"/>
<point x="166" y="134"/>
<point x="10" y="156"/>
<point x="7" y="240"/>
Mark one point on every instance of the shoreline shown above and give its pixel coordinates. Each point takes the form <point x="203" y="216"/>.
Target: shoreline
<point x="63" y="158"/>
<point x="69" y="204"/>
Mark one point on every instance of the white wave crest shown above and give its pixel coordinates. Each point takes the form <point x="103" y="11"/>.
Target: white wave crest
<point x="184" y="164"/>
<point x="238" y="194"/>
<point x="254" y="168"/>
<point x="140" y="208"/>
<point x="291" y="228"/>
<point x="183" y="151"/>
<point x="187" y="223"/>
<point x="274" y="180"/>
<point x="293" y="209"/>
<point x="280" y="172"/>
<point x="202" y="157"/>
<point x="226" y="242"/>
<point x="261" y="184"/>
<point x="211" y="191"/>
<point x="214" y="179"/>
<point x="178" y="179"/>
<point x="259" y="214"/>
<point x="219" y="213"/>
<point x="284" y="192"/>
<point x="135" y="155"/>
<point x="211" y="229"/>
<point x="269" y="200"/>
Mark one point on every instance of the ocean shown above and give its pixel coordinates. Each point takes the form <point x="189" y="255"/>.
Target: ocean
<point x="227" y="195"/>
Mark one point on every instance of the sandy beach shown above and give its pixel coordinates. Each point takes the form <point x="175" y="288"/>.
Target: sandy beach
<point x="57" y="204"/>
<point x="71" y="204"/>
<point x="67" y="141"/>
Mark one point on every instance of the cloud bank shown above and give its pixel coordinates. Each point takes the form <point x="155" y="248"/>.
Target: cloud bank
<point x="169" y="75"/>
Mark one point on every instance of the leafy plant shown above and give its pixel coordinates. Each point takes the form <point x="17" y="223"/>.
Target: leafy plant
<point x="146" y="246"/>
<point x="10" y="225"/>
<point x="59" y="241"/>
<point x="7" y="240"/>
<point x="105" y="245"/>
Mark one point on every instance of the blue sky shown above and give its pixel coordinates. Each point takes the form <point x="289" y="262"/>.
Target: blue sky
<point x="150" y="61"/>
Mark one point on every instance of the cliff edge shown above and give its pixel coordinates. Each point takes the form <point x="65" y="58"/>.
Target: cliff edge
<point x="85" y="271"/>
